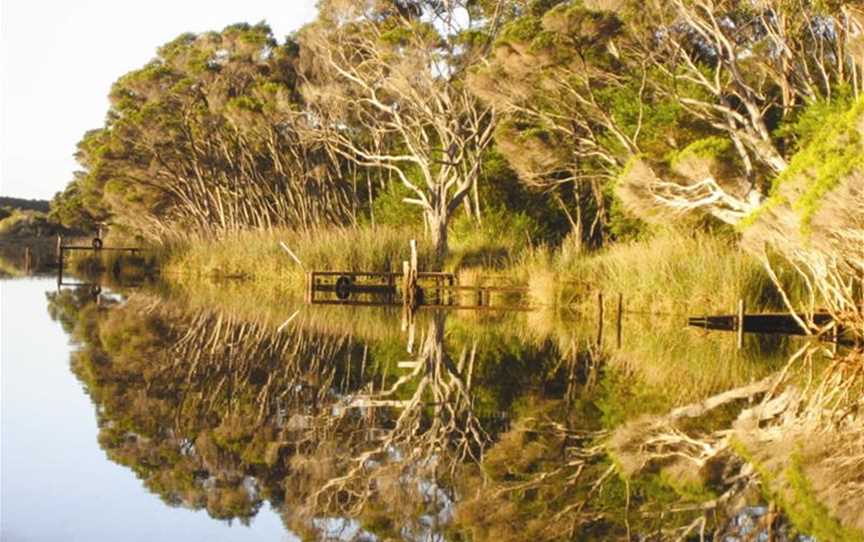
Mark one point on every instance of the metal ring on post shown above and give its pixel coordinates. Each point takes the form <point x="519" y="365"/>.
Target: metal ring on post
<point x="97" y="243"/>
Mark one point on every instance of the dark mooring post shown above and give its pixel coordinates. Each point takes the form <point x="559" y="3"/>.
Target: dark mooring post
<point x="739" y="323"/>
<point x="618" y="320"/>
<point x="599" y="319"/>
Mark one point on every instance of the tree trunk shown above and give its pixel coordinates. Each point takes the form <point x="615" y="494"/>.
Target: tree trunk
<point x="438" y="229"/>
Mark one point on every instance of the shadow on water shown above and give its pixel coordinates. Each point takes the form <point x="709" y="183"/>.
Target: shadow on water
<point x="494" y="426"/>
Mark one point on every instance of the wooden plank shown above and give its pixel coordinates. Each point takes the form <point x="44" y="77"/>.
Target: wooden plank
<point x="357" y="288"/>
<point x="780" y="323"/>
<point x="502" y="289"/>
<point x="123" y="249"/>
<point x="382" y="274"/>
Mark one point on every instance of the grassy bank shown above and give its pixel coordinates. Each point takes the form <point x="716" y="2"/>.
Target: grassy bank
<point x="668" y="273"/>
<point x="258" y="257"/>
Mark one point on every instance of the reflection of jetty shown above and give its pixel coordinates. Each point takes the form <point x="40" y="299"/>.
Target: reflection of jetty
<point x="412" y="288"/>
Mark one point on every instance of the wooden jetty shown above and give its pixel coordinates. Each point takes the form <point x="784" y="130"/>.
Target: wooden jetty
<point x="820" y="324"/>
<point x="366" y="288"/>
<point x="780" y="323"/>
<point x="412" y="288"/>
<point x="96" y="246"/>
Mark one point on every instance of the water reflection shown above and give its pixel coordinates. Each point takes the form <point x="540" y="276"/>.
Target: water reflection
<point x="488" y="430"/>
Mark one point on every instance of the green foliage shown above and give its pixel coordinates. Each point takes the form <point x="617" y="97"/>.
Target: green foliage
<point x="832" y="153"/>
<point x="801" y="129"/>
<point x="20" y="224"/>
<point x="204" y="139"/>
<point x="712" y="148"/>
<point x="502" y="234"/>
<point x="390" y="209"/>
<point x="24" y="204"/>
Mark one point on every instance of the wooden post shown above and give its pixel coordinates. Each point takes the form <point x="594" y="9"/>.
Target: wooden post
<point x="411" y="292"/>
<point x="58" y="252"/>
<point x="28" y="259"/>
<point x="618" y="318"/>
<point x="406" y="283"/>
<point x="310" y="287"/>
<point x="599" y="319"/>
<point x="60" y="270"/>
<point x="451" y="280"/>
<point x="740" y="323"/>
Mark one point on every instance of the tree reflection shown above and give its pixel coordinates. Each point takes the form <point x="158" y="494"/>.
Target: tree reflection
<point x="480" y="435"/>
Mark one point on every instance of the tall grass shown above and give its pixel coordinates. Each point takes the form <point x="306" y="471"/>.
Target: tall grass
<point x="669" y="273"/>
<point x="258" y="256"/>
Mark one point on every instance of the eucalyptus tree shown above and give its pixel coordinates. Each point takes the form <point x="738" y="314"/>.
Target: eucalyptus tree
<point x="572" y="111"/>
<point x="208" y="138"/>
<point x="385" y="86"/>
<point x="747" y="70"/>
<point x="686" y="105"/>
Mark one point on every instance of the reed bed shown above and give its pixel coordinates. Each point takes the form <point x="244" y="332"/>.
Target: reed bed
<point x="258" y="255"/>
<point x="669" y="273"/>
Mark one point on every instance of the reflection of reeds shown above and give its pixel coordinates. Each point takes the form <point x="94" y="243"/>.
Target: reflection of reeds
<point x="668" y="356"/>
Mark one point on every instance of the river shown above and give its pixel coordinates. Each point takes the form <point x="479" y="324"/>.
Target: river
<point x="149" y="413"/>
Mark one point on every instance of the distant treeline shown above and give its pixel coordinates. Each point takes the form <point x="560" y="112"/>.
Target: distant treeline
<point x="25" y="204"/>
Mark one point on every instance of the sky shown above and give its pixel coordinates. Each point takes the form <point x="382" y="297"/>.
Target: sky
<point x="58" y="59"/>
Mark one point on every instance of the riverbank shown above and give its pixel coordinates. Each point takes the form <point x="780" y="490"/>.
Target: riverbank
<point x="666" y="273"/>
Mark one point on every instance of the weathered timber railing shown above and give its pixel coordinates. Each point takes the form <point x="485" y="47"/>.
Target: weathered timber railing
<point x="820" y="324"/>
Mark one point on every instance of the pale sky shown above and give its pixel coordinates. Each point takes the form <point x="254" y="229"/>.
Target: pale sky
<point x="58" y="60"/>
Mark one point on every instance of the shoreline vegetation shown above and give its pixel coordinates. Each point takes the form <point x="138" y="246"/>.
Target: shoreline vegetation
<point x="668" y="273"/>
<point x="663" y="151"/>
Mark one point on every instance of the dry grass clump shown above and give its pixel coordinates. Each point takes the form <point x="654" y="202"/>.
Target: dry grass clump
<point x="257" y="255"/>
<point x="669" y="273"/>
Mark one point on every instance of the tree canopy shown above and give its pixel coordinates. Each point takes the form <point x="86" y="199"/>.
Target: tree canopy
<point x="610" y="110"/>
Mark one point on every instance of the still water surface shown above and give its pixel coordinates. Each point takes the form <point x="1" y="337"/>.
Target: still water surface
<point x="57" y="483"/>
<point x="142" y="415"/>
